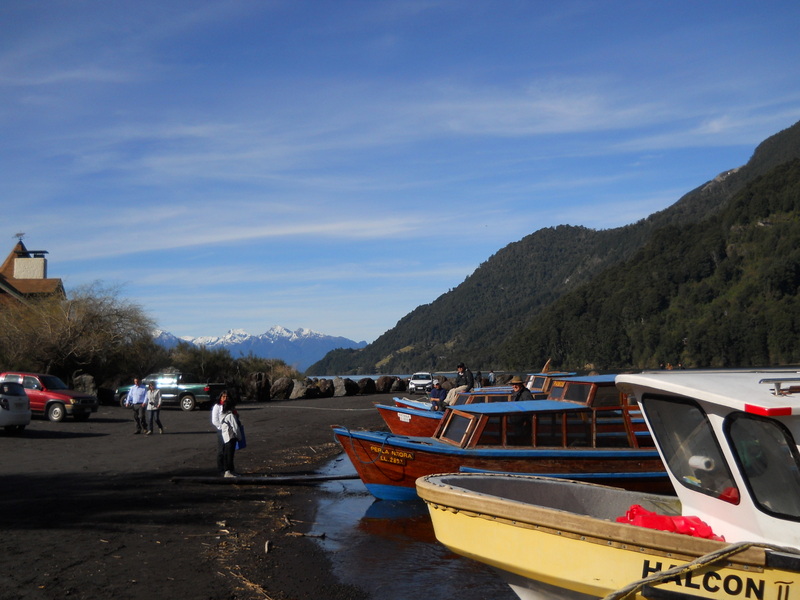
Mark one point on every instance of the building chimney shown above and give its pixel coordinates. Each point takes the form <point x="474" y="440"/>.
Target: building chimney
<point x="31" y="265"/>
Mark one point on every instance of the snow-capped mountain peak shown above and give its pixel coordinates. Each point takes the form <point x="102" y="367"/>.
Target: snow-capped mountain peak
<point x="299" y="348"/>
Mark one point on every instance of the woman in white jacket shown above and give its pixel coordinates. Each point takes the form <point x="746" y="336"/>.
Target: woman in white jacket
<point x="153" y="402"/>
<point x="231" y="431"/>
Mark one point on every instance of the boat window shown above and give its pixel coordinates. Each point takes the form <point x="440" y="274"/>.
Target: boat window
<point x="578" y="392"/>
<point x="462" y="399"/>
<point x="498" y="398"/>
<point x="492" y="434"/>
<point x="548" y="429"/>
<point x="768" y="459"/>
<point x="689" y="446"/>
<point x="557" y="390"/>
<point x="518" y="430"/>
<point x="456" y="428"/>
<point x="537" y="383"/>
<point x="607" y="395"/>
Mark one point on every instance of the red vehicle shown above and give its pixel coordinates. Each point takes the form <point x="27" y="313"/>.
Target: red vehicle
<point x="50" y="396"/>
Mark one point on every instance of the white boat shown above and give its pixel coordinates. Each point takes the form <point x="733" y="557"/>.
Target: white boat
<point x="728" y="440"/>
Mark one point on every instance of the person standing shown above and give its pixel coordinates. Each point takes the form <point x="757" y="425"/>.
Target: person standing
<point x="464" y="383"/>
<point x="216" y="420"/>
<point x="491" y="377"/>
<point x="231" y="432"/>
<point x="136" y="399"/>
<point x="153" y="408"/>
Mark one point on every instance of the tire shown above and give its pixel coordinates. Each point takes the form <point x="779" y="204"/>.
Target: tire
<point x="56" y="412"/>
<point x="122" y="398"/>
<point x="188" y="402"/>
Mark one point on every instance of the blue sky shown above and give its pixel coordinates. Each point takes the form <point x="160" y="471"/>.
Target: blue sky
<point x="335" y="164"/>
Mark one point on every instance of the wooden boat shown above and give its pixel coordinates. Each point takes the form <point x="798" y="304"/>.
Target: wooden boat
<point x="591" y="390"/>
<point x="556" y="438"/>
<point x="539" y="385"/>
<point x="404" y="420"/>
<point x="729" y="442"/>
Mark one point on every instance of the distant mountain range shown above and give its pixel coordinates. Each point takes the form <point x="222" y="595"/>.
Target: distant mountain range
<point x="711" y="281"/>
<point x="299" y="348"/>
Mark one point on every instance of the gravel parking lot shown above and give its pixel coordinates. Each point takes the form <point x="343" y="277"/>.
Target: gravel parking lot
<point x="89" y="510"/>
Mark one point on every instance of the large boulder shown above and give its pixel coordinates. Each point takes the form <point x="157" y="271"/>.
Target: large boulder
<point x="344" y="387"/>
<point x="304" y="389"/>
<point x="399" y="385"/>
<point x="282" y="388"/>
<point x="384" y="384"/>
<point x="326" y="388"/>
<point x="256" y="387"/>
<point x="366" y="386"/>
<point x="503" y="379"/>
<point x="84" y="383"/>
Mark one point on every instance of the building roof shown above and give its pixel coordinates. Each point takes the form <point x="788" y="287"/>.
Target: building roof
<point x="20" y="289"/>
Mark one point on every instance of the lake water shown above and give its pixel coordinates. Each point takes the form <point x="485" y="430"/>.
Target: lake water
<point x="389" y="548"/>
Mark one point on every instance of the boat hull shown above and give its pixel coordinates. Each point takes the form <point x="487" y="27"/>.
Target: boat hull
<point x="409" y="421"/>
<point x="389" y="465"/>
<point x="554" y="538"/>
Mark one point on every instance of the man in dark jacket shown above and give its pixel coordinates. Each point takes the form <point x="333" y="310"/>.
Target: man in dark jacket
<point x="464" y="383"/>
<point x="520" y="391"/>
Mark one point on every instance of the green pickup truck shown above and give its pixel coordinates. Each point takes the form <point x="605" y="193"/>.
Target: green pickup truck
<point x="183" y="389"/>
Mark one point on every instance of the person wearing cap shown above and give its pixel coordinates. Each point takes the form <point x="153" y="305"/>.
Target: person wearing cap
<point x="438" y="395"/>
<point x="520" y="391"/>
<point x="464" y="383"/>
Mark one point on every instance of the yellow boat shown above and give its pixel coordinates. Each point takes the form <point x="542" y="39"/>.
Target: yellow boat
<point x="728" y="441"/>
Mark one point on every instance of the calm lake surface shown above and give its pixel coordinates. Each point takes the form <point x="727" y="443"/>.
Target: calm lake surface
<point x="389" y="548"/>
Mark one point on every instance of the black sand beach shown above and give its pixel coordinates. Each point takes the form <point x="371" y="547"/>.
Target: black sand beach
<point x="89" y="510"/>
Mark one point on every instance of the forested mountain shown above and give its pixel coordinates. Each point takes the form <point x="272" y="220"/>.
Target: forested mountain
<point x="710" y="281"/>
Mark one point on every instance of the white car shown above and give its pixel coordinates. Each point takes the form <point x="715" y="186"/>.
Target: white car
<point x="420" y="383"/>
<point x="15" y="408"/>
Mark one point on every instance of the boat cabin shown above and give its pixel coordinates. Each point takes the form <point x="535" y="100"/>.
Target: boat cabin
<point x="540" y="383"/>
<point x="541" y="423"/>
<point x="729" y="441"/>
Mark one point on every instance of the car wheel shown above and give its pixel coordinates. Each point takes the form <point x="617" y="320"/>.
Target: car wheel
<point x="122" y="398"/>
<point x="56" y="412"/>
<point x="82" y="416"/>
<point x="188" y="403"/>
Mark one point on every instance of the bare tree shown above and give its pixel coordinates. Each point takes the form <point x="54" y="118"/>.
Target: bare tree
<point x="92" y="328"/>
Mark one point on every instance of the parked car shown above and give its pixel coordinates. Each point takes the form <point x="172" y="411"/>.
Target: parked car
<point x="420" y="383"/>
<point x="50" y="396"/>
<point x="15" y="408"/>
<point x="183" y="389"/>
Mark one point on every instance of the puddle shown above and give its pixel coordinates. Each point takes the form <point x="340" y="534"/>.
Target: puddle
<point x="389" y="548"/>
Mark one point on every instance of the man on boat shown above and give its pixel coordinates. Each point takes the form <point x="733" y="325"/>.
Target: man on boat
<point x="464" y="383"/>
<point x="520" y="391"/>
<point x="438" y="395"/>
